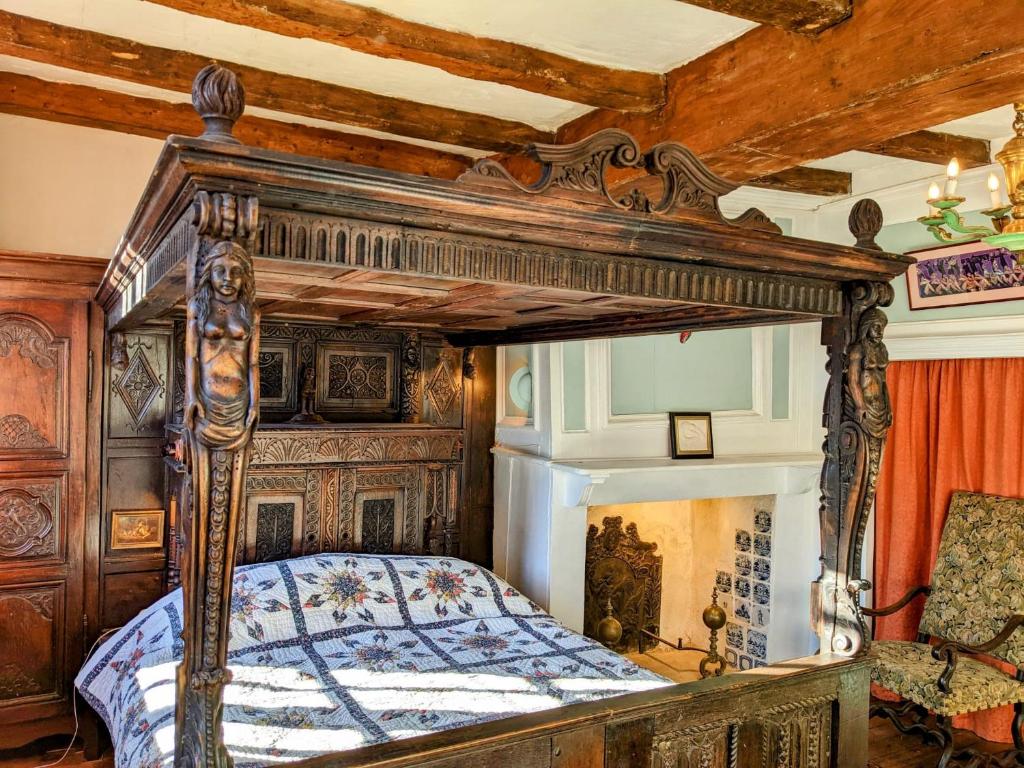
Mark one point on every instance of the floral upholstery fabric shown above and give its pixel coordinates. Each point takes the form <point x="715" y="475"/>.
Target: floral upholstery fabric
<point x="978" y="581"/>
<point x="333" y="652"/>
<point x="909" y="670"/>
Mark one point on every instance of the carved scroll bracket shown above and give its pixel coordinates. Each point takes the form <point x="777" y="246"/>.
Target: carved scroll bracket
<point x="857" y="417"/>
<point x="687" y="185"/>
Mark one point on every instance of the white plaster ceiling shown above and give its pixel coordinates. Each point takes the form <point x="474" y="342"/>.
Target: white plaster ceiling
<point x="645" y="35"/>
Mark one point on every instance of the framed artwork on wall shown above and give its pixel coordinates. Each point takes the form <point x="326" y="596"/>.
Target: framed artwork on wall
<point x="691" y="436"/>
<point x="137" y="529"/>
<point x="970" y="273"/>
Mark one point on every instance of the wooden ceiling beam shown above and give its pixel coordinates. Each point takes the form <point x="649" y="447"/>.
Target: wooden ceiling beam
<point x="935" y="147"/>
<point x="100" y="54"/>
<point x="369" y="30"/>
<point x="770" y="100"/>
<point x="808" y="181"/>
<point x="96" y="108"/>
<point x="808" y="17"/>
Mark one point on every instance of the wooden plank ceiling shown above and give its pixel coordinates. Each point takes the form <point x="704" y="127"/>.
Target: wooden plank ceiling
<point x="766" y="93"/>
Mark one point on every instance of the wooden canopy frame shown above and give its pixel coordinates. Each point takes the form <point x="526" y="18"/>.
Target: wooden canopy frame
<point x="229" y="232"/>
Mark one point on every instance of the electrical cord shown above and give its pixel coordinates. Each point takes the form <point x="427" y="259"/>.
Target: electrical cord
<point x="74" y="703"/>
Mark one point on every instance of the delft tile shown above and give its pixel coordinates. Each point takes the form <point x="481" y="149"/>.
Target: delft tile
<point x="763" y="521"/>
<point x="742" y="611"/>
<point x="731" y="657"/>
<point x="734" y="636"/>
<point x="742" y="588"/>
<point x="742" y="540"/>
<point x="760" y="663"/>
<point x="723" y="581"/>
<point x="762" y="593"/>
<point x="763" y="544"/>
<point x="757" y="644"/>
<point x="742" y="565"/>
<point x="762" y="568"/>
<point x="725" y="603"/>
<point x="761" y="616"/>
<point x="746" y="662"/>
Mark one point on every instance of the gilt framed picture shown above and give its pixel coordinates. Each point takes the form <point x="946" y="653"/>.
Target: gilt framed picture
<point x="970" y="273"/>
<point x="691" y="436"/>
<point x="137" y="529"/>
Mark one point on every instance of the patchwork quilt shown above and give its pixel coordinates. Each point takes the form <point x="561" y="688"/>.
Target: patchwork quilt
<point x="336" y="651"/>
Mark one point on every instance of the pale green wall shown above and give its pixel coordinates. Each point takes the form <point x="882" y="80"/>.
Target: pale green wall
<point x="910" y="236"/>
<point x="710" y="372"/>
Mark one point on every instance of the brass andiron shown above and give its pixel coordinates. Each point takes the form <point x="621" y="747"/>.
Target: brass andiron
<point x="714" y="619"/>
<point x="609" y="630"/>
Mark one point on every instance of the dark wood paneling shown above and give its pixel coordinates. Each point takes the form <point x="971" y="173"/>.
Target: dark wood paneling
<point x="44" y="382"/>
<point x="476" y="517"/>
<point x="125" y="594"/>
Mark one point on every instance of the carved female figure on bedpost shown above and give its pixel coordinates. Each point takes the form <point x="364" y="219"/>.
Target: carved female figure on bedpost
<point x="857" y="417"/>
<point x="221" y="409"/>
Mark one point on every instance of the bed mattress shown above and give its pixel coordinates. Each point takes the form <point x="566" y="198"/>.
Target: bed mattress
<point x="333" y="652"/>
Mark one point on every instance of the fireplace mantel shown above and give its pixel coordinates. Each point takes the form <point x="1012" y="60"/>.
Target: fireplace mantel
<point x="541" y="518"/>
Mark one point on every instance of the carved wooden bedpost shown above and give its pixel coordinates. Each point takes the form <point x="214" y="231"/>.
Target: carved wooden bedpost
<point x="857" y="416"/>
<point x="221" y="409"/>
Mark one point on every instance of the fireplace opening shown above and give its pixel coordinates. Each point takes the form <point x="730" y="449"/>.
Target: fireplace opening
<point x="654" y="565"/>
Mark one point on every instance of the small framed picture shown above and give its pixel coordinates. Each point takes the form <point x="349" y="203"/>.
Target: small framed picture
<point x="691" y="436"/>
<point x="137" y="529"/>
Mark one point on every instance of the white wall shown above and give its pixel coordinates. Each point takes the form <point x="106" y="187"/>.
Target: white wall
<point x="66" y="189"/>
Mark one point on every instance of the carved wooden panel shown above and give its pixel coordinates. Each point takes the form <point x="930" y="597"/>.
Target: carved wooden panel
<point x="138" y="387"/>
<point x="356" y="378"/>
<point x="31" y="647"/>
<point x="33" y="388"/>
<point x="278" y="375"/>
<point x="709" y="745"/>
<point x="442" y="390"/>
<point x="397" y="484"/>
<point x="274" y="513"/>
<point x="30" y="518"/>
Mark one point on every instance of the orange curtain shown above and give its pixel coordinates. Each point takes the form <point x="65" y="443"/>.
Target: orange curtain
<point x="957" y="425"/>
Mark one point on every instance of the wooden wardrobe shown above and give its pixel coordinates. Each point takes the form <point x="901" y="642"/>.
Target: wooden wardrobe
<point x="50" y="337"/>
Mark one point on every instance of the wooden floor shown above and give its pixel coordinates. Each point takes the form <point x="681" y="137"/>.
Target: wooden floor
<point x="888" y="748"/>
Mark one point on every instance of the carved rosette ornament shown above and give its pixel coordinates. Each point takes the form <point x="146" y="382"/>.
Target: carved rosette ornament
<point x="857" y="417"/>
<point x="688" y="186"/>
<point x="221" y="409"/>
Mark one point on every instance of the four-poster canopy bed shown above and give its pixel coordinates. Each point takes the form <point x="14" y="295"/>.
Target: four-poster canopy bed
<point x="235" y="237"/>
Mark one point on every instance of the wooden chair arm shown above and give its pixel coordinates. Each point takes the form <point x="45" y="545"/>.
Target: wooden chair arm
<point x="900" y="604"/>
<point x="950" y="650"/>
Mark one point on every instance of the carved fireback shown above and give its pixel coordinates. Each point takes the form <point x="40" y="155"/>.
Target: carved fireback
<point x="624" y="570"/>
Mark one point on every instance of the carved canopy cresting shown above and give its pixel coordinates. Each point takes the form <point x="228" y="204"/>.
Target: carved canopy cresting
<point x="225" y="233"/>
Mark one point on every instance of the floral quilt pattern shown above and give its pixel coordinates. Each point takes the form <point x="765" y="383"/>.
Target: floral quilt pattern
<point x="333" y="652"/>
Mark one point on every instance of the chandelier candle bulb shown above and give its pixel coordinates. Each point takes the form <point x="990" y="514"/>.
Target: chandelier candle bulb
<point x="933" y="195"/>
<point x="993" y="191"/>
<point x="952" y="171"/>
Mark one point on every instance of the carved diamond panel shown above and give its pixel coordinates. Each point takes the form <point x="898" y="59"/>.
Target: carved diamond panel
<point x="138" y="386"/>
<point x="443" y="389"/>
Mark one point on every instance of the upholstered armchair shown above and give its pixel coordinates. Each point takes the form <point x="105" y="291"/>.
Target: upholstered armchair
<point x="973" y="607"/>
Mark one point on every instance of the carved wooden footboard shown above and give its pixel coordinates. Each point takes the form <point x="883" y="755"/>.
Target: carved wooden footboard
<point x="805" y="713"/>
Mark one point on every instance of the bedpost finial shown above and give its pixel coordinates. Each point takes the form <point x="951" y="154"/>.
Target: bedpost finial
<point x="219" y="98"/>
<point x="866" y="223"/>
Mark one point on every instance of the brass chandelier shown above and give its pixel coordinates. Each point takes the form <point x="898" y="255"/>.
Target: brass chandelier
<point x="945" y="221"/>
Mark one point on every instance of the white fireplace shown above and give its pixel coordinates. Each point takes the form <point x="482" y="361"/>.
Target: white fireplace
<point x="704" y="518"/>
<point x="553" y="480"/>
